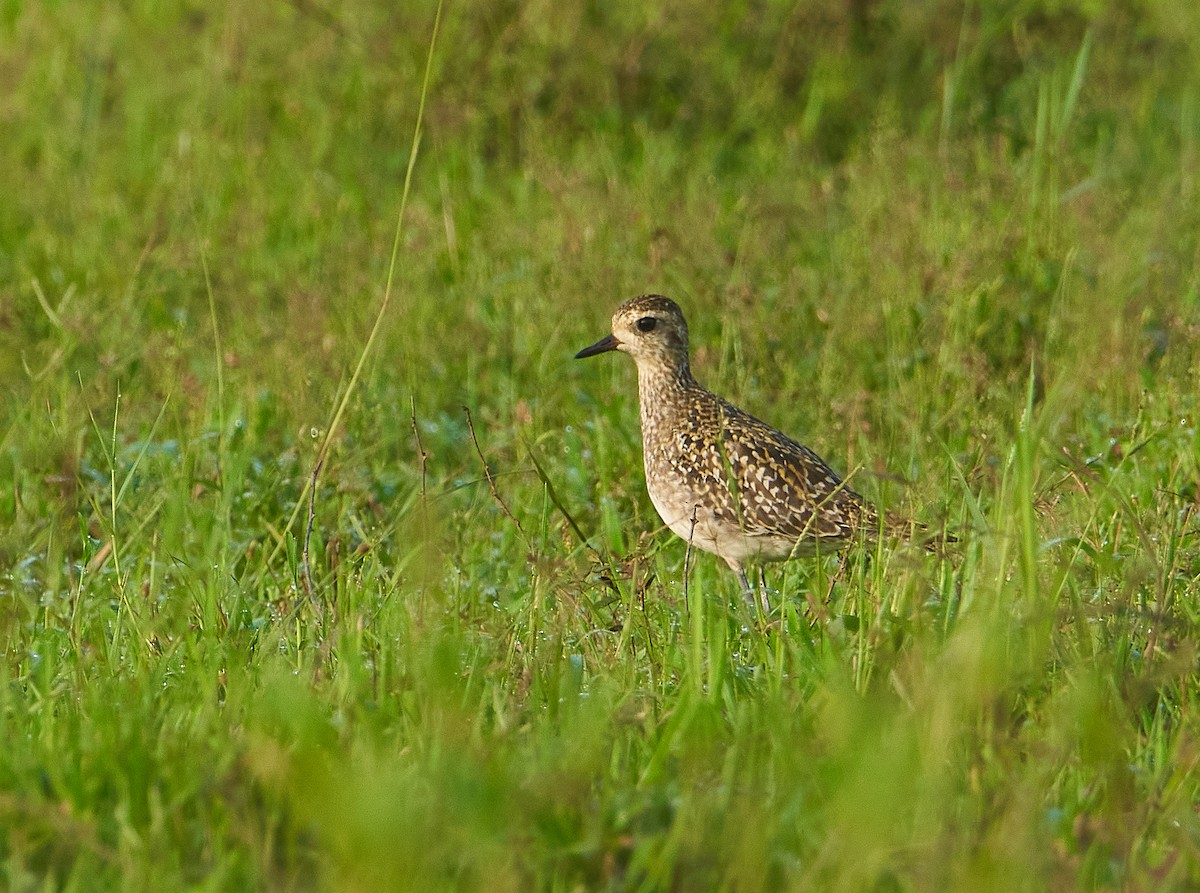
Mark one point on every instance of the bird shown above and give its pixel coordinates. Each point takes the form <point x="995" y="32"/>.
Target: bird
<point x="721" y="479"/>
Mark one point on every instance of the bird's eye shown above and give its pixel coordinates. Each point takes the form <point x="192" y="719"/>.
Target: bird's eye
<point x="646" y="324"/>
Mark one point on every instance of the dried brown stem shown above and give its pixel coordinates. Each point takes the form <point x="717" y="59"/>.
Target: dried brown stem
<point x="424" y="456"/>
<point x="306" y="573"/>
<point x="491" y="480"/>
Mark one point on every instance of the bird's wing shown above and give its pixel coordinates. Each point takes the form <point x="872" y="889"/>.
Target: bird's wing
<point x="785" y="489"/>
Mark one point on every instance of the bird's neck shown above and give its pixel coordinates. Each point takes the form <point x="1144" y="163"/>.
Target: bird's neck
<point x="663" y="390"/>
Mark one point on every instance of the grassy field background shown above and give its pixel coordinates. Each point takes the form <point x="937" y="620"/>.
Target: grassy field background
<point x="954" y="248"/>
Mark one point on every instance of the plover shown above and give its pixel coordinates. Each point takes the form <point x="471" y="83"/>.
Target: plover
<point x="719" y="478"/>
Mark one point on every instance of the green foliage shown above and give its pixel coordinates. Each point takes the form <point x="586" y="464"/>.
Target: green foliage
<point x="951" y="246"/>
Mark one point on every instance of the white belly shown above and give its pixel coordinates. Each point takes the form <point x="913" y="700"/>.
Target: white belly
<point x="690" y="521"/>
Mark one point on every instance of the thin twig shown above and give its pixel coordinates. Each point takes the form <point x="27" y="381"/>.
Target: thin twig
<point x="491" y="481"/>
<point x="687" y="560"/>
<point x="609" y="574"/>
<point x="312" y="514"/>
<point x="540" y="471"/>
<point x="424" y="456"/>
<point x="412" y="407"/>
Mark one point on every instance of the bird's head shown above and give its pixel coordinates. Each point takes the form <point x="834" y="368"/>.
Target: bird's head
<point x="649" y="328"/>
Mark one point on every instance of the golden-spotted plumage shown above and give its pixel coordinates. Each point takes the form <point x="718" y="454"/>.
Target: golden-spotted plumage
<point x="718" y="477"/>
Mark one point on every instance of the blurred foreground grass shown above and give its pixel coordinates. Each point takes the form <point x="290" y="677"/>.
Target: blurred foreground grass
<point x="954" y="248"/>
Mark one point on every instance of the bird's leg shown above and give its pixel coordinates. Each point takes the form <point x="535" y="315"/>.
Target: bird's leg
<point x="763" y="592"/>
<point x="747" y="590"/>
<point x="764" y="599"/>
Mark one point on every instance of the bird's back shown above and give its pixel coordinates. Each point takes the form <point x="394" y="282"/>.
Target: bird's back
<point x="749" y="475"/>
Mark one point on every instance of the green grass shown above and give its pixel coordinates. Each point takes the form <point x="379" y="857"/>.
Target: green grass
<point x="954" y="250"/>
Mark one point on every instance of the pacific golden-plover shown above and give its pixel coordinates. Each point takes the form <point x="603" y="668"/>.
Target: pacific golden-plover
<point x="718" y="477"/>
